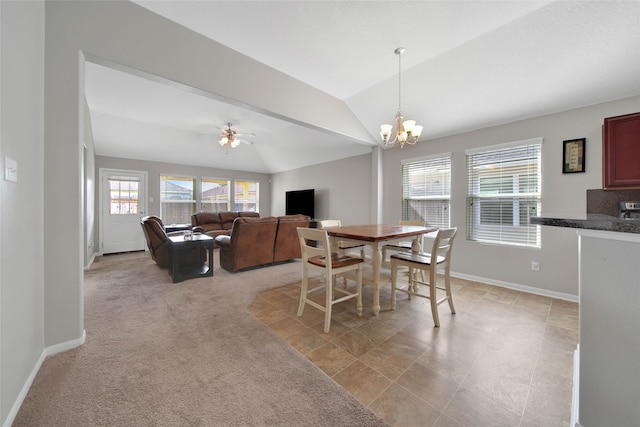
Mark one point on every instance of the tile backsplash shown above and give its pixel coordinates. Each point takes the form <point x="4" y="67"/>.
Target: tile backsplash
<point x="605" y="202"/>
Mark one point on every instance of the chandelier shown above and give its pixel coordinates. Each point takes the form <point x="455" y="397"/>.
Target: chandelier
<point x="407" y="132"/>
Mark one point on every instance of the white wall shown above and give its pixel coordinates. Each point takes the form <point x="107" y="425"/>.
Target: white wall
<point x="342" y="189"/>
<point x="21" y="203"/>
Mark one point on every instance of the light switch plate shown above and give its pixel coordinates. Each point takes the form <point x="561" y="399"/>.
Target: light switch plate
<point x="10" y="169"/>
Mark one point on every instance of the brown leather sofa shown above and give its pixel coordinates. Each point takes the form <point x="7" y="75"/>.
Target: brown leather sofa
<point x="260" y="241"/>
<point x="217" y="223"/>
<point x="158" y="243"/>
<point x="287" y="245"/>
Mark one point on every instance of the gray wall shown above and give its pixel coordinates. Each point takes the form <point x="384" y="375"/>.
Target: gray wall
<point x="348" y="184"/>
<point x="21" y="203"/>
<point x="562" y="194"/>
<point x="342" y="189"/>
<point x="126" y="34"/>
<point x="155" y="169"/>
<point x="42" y="127"/>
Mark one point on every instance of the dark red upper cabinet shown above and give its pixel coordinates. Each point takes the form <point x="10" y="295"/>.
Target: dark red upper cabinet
<point x="621" y="152"/>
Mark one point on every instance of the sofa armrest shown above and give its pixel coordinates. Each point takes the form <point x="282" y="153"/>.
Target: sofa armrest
<point x="223" y="242"/>
<point x="197" y="229"/>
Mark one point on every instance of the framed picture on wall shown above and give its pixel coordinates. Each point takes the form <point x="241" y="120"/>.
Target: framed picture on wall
<point x="573" y="154"/>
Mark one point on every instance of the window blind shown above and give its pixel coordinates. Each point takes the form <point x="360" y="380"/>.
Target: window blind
<point x="426" y="190"/>
<point x="503" y="192"/>
<point x="177" y="199"/>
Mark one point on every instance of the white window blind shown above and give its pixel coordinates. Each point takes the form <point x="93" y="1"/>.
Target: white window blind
<point x="503" y="192"/>
<point x="177" y="199"/>
<point x="426" y="190"/>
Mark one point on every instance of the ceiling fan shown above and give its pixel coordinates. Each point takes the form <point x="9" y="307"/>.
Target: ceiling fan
<point x="231" y="138"/>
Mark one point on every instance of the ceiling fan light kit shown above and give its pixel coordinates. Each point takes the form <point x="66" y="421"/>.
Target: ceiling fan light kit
<point x="230" y="138"/>
<point x="407" y="131"/>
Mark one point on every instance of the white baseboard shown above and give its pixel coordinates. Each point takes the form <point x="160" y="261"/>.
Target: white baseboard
<point x="47" y="351"/>
<point x="518" y="287"/>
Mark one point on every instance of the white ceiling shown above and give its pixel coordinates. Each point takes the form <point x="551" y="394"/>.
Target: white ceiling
<point x="467" y="65"/>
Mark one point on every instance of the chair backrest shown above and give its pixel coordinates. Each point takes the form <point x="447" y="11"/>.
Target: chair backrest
<point x="314" y="242"/>
<point x="326" y="223"/>
<point x="154" y="232"/>
<point x="442" y="245"/>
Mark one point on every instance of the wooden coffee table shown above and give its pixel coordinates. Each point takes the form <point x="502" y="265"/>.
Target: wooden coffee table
<point x="178" y="244"/>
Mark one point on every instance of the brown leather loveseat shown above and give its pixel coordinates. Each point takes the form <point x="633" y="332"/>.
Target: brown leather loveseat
<point x="217" y="223"/>
<point x="261" y="241"/>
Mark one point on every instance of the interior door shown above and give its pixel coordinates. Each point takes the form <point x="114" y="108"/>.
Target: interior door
<point x="123" y="204"/>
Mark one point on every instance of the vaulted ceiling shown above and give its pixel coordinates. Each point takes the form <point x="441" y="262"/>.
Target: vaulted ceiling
<point x="467" y="65"/>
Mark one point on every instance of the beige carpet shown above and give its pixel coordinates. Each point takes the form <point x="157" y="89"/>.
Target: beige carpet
<point x="185" y="354"/>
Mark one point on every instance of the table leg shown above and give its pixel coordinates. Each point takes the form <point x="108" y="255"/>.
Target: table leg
<point x="334" y="244"/>
<point x="376" y="262"/>
<point x="209" y="249"/>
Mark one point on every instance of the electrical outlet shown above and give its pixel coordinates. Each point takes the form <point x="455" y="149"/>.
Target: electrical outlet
<point x="535" y="265"/>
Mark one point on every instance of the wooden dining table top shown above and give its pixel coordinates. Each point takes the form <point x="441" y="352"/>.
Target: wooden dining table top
<point x="378" y="232"/>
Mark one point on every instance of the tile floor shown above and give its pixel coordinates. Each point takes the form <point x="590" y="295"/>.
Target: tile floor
<point x="505" y="358"/>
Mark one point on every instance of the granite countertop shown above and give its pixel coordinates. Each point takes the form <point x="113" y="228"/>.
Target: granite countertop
<point x="590" y="222"/>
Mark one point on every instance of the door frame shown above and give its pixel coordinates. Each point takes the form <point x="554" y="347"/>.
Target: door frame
<point x="143" y="203"/>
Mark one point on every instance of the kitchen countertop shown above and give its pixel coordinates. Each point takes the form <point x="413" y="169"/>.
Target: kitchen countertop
<point x="590" y="222"/>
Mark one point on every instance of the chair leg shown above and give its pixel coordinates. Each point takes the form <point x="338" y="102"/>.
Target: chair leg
<point x="413" y="287"/>
<point x="327" y="303"/>
<point x="394" y="273"/>
<point x="303" y="291"/>
<point x="447" y="285"/>
<point x="433" y="297"/>
<point x="359" y="290"/>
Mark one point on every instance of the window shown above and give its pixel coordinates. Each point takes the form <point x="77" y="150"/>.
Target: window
<point x="246" y="196"/>
<point x="214" y="196"/>
<point x="177" y="199"/>
<point x="123" y="196"/>
<point x="426" y="190"/>
<point x="503" y="192"/>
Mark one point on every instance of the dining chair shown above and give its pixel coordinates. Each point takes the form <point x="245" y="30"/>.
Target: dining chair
<point x="404" y="245"/>
<point x="317" y="257"/>
<point x="343" y="247"/>
<point x="440" y="255"/>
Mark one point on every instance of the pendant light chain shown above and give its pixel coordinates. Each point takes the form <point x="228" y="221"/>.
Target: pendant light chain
<point x="399" y="81"/>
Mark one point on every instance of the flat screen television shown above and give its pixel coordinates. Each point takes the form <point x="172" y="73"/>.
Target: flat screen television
<point x="300" y="202"/>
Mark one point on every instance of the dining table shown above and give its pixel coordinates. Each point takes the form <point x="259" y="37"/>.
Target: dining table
<point x="376" y="236"/>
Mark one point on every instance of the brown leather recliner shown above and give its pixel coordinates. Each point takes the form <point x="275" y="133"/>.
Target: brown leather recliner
<point x="287" y="245"/>
<point x="251" y="243"/>
<point x="158" y="243"/>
